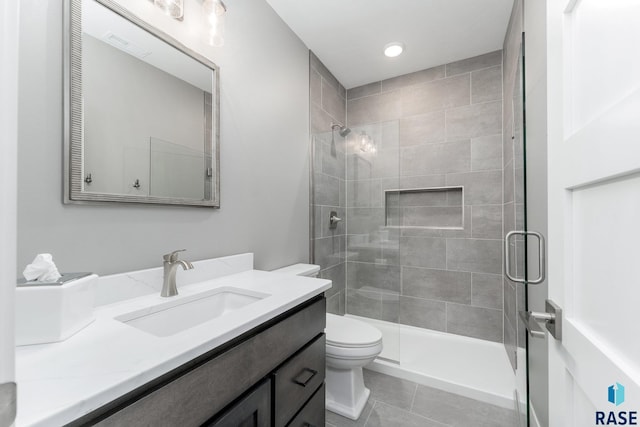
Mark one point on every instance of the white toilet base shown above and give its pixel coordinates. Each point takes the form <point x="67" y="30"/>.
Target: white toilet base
<point x="346" y="393"/>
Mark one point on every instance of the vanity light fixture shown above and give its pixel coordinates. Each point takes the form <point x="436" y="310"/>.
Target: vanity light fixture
<point x="213" y="12"/>
<point x="173" y="8"/>
<point x="394" y="49"/>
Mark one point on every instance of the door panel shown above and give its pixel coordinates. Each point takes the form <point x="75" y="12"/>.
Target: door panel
<point x="594" y="183"/>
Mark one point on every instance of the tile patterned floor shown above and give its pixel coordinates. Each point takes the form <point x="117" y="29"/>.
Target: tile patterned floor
<point x="400" y="403"/>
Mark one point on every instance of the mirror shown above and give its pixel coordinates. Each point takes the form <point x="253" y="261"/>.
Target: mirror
<point x="141" y="112"/>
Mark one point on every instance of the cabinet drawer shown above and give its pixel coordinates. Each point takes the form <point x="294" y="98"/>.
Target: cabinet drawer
<point x="312" y="415"/>
<point x="253" y="410"/>
<point x="298" y="379"/>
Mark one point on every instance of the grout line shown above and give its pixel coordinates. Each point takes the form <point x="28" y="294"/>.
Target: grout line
<point x="413" y="400"/>
<point x="375" y="402"/>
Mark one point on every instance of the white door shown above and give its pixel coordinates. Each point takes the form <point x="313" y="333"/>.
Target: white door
<point x="8" y="170"/>
<point x="594" y="210"/>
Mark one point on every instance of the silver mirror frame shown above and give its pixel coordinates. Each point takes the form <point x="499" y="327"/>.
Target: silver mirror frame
<point x="73" y="120"/>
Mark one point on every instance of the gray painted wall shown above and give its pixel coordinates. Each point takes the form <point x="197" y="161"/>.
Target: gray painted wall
<point x="436" y="127"/>
<point x="264" y="152"/>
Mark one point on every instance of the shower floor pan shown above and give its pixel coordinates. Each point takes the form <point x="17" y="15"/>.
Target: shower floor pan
<point x="469" y="367"/>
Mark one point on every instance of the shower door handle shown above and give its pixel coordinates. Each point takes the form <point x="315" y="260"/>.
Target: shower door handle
<point x="541" y="257"/>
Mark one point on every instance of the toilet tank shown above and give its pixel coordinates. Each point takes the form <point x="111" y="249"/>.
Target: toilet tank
<point x="309" y="270"/>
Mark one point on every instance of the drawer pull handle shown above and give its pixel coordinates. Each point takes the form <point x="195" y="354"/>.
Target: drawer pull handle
<point x="308" y="425"/>
<point x="305" y="376"/>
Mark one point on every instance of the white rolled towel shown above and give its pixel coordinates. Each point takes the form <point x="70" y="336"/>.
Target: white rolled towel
<point x="42" y="269"/>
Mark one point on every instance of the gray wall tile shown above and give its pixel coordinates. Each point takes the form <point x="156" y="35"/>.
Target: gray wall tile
<point x="486" y="85"/>
<point x="317" y="65"/>
<point x="486" y="290"/>
<point x="486" y="221"/>
<point x="476" y="63"/>
<point x="338" y="276"/>
<point x="452" y="157"/>
<point x="326" y="190"/>
<point x="423" y="313"/>
<point x="375" y="108"/>
<point x="510" y="302"/>
<point x="360" y="194"/>
<point x="390" y="307"/>
<point x="441" y="232"/>
<point x="332" y="102"/>
<point x="474" y="255"/>
<point x="315" y="87"/>
<point x="364" y="220"/>
<point x="428" y="134"/>
<point x="486" y="153"/>
<point x="329" y="251"/>
<point x="508" y="183"/>
<point x="320" y="120"/>
<point x="441" y="285"/>
<point x="364" y="90"/>
<point x="510" y="342"/>
<point x="418" y="77"/>
<point x="335" y="304"/>
<point x="476" y="322"/>
<point x="423" y="252"/>
<point x="480" y="188"/>
<point x="373" y="277"/>
<point x="332" y="161"/>
<point x="422" y="129"/>
<point x="474" y="120"/>
<point x="363" y="303"/>
<point x="436" y="95"/>
<point x="432" y="216"/>
<point x="424" y="181"/>
<point x="386" y="163"/>
<point x="426" y="198"/>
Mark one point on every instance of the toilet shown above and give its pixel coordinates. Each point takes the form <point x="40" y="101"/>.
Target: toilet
<point x="351" y="344"/>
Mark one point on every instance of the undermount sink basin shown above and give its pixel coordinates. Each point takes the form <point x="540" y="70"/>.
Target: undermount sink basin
<point x="172" y="317"/>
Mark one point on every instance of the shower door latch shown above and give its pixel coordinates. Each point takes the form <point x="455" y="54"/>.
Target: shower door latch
<point x="7" y="403"/>
<point x="552" y="318"/>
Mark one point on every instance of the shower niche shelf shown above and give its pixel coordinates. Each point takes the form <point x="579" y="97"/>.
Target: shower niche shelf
<point x="431" y="207"/>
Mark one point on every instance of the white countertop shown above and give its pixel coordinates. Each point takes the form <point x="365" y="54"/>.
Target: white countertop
<point x="60" y="382"/>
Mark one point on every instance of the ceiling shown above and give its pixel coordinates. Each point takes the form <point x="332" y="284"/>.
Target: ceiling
<point x="349" y="35"/>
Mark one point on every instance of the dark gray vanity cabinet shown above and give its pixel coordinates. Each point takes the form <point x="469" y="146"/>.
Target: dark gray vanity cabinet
<point x="272" y="375"/>
<point x="253" y="410"/>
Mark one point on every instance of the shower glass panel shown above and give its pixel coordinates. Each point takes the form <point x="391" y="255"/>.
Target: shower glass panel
<point x="373" y="229"/>
<point x="434" y="181"/>
<point x="516" y="211"/>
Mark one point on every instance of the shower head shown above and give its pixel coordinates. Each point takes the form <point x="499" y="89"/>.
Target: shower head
<point x="342" y="130"/>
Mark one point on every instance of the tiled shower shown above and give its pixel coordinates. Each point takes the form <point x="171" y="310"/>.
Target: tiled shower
<point x="419" y="186"/>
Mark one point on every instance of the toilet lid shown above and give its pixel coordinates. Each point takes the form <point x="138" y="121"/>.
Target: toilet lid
<point x="345" y="332"/>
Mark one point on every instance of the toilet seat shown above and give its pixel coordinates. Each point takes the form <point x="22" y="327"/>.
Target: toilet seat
<point x="343" y="332"/>
<point x="353" y="353"/>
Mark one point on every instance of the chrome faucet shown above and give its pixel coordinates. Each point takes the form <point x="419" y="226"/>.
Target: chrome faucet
<point x="171" y="263"/>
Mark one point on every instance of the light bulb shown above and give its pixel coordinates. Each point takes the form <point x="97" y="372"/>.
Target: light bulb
<point x="213" y="12"/>
<point x="393" y="49"/>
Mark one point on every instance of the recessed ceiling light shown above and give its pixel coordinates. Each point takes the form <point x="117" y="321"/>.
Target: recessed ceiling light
<point x="393" y="49"/>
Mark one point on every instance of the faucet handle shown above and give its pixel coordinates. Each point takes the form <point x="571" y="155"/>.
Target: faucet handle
<point x="173" y="256"/>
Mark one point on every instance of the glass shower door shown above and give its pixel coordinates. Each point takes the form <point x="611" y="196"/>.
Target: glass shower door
<point x="516" y="235"/>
